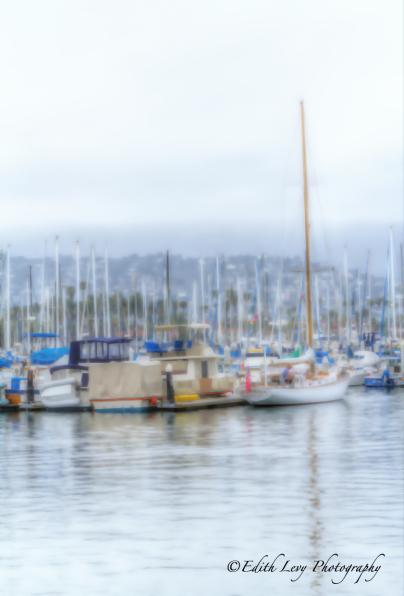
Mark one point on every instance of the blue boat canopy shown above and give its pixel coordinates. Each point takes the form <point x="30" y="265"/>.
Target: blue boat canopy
<point x="5" y="362"/>
<point x="44" y="335"/>
<point x="48" y="355"/>
<point x="178" y="345"/>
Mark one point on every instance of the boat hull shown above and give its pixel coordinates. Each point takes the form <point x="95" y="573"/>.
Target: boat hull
<point x="62" y="394"/>
<point x="291" y="396"/>
<point x="380" y="383"/>
<point x="258" y="396"/>
<point x="124" y="404"/>
<point x="357" y="379"/>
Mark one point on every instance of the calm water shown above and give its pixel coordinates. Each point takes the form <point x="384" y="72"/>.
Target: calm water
<point x="159" y="504"/>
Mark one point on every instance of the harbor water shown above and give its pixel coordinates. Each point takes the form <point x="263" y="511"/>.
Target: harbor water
<point x="147" y="504"/>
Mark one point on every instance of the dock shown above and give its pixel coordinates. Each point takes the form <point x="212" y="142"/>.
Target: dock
<point x="199" y="404"/>
<point x="36" y="406"/>
<point x="204" y="403"/>
<point x="22" y="407"/>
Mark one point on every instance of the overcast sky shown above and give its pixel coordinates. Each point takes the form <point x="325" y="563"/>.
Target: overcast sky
<point x="150" y="123"/>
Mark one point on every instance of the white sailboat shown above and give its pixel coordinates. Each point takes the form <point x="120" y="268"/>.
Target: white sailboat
<point x="300" y="386"/>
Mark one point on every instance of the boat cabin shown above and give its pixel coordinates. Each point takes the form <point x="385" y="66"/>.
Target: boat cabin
<point x="192" y="361"/>
<point x="92" y="350"/>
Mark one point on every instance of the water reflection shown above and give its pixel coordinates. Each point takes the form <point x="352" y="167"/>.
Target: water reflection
<point x="316" y="527"/>
<point x="159" y="503"/>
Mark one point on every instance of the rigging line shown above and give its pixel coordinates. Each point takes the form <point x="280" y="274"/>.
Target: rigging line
<point x="317" y="199"/>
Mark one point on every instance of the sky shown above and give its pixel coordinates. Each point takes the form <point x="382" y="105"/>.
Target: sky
<point x="150" y="124"/>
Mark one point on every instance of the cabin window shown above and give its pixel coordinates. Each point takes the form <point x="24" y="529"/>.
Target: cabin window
<point x="84" y="351"/>
<point x="93" y="351"/>
<point x="101" y="351"/>
<point x="204" y="369"/>
<point x="114" y="352"/>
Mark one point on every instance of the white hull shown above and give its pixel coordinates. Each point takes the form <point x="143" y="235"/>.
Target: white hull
<point x="60" y="394"/>
<point x="357" y="378"/>
<point x="288" y="396"/>
<point x="259" y="396"/>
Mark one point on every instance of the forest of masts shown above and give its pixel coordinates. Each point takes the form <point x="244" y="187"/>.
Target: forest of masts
<point x="239" y="309"/>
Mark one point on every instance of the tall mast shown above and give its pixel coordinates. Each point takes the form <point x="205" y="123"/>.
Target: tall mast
<point x="402" y="291"/>
<point x="104" y="314"/>
<point x="258" y="302"/>
<point x="136" y="313"/>
<point x="370" y="304"/>
<point x="306" y="232"/>
<point x="28" y="325"/>
<point x="64" y="315"/>
<point x="29" y="308"/>
<point x="219" y="305"/>
<point x="118" y="312"/>
<point x="279" y="309"/>
<point x="7" y="343"/>
<point x="299" y="311"/>
<point x="347" y="303"/>
<point x="363" y="305"/>
<point x="392" y="288"/>
<point x="145" y="312"/>
<point x="317" y="306"/>
<point x="208" y="296"/>
<point x="194" y="302"/>
<point x="168" y="289"/>
<point x="201" y="264"/>
<point x="107" y="306"/>
<point x="47" y="310"/>
<point x="84" y="308"/>
<point x="154" y="312"/>
<point x="128" y="316"/>
<point x="337" y="287"/>
<point x="77" y="290"/>
<point x="42" y="311"/>
<point x="239" y="311"/>
<point x="328" y="314"/>
<point x="94" y="280"/>
<point x="57" y="288"/>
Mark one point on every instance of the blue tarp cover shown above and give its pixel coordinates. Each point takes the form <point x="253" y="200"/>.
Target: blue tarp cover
<point x="6" y="362"/>
<point x="48" y="355"/>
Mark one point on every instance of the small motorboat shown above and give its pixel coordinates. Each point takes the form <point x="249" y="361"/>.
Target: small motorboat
<point x="68" y="386"/>
<point x="195" y="366"/>
<point x="384" y="381"/>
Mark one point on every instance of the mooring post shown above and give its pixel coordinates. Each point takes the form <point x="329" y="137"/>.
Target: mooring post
<point x="169" y="382"/>
<point x="30" y="386"/>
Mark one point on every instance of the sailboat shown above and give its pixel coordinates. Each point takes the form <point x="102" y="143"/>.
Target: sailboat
<point x="302" y="384"/>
